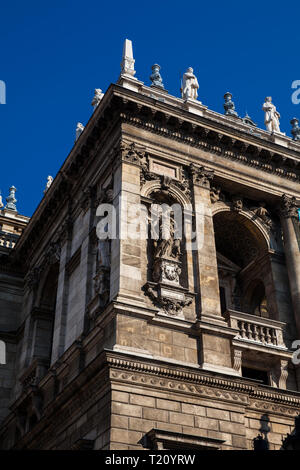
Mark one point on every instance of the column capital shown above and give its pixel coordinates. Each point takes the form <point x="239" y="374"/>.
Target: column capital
<point x="288" y="207"/>
<point x="128" y="153"/>
<point x="201" y="176"/>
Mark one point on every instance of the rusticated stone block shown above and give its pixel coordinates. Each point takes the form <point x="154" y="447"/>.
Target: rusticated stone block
<point x="154" y="414"/>
<point x="168" y="404"/>
<point x="233" y="428"/>
<point x="216" y="413"/>
<point x="180" y="418"/>
<point x="193" y="409"/>
<point x="128" y="410"/>
<point x="142" y="400"/>
<point x="125" y="436"/>
<point x="207" y="423"/>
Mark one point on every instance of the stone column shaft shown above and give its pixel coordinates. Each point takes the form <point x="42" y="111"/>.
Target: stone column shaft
<point x="289" y="217"/>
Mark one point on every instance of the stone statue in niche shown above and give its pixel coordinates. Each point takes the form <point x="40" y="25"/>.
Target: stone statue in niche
<point x="271" y="115"/>
<point x="102" y="277"/>
<point x="167" y="252"/>
<point x="167" y="247"/>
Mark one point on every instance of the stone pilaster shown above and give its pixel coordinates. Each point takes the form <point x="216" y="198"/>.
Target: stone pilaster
<point x="126" y="278"/>
<point x="208" y="283"/>
<point x="62" y="292"/>
<point x="289" y="219"/>
<point x="216" y="353"/>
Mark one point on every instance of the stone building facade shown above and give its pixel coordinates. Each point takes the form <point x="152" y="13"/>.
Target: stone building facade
<point x="134" y="343"/>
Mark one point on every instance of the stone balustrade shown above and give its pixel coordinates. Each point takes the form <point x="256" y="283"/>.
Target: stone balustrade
<point x="252" y="328"/>
<point x="8" y="240"/>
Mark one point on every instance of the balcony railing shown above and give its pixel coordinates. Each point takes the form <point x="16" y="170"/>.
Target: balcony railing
<point x="256" y="330"/>
<point x="8" y="240"/>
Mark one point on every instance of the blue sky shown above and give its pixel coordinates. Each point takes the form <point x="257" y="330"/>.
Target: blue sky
<point x="54" y="54"/>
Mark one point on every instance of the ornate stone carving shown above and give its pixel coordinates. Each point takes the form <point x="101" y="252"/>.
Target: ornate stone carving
<point x="289" y="207"/>
<point x="170" y="306"/>
<point x="283" y="374"/>
<point x="201" y="176"/>
<point x="262" y="213"/>
<point x="216" y="194"/>
<point x="52" y="254"/>
<point x="131" y="153"/>
<point x="166" y="270"/>
<point x="33" y="277"/>
<point x="226" y="149"/>
<point x="237" y="202"/>
<point x="229" y="105"/>
<point x="237" y="360"/>
<point x="147" y="175"/>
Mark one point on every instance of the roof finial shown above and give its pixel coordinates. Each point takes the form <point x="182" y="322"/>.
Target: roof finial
<point x="11" y="200"/>
<point x="127" y="64"/>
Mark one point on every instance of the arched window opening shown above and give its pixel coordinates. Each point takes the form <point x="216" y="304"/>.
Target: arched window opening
<point x="241" y="250"/>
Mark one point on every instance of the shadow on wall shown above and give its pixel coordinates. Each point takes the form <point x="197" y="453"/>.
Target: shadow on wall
<point x="261" y="441"/>
<point x="292" y="440"/>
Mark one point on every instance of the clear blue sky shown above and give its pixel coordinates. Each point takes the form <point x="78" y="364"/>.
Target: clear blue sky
<point x="54" y="54"/>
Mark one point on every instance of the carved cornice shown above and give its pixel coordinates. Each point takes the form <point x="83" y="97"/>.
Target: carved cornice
<point x="215" y="142"/>
<point x="210" y="383"/>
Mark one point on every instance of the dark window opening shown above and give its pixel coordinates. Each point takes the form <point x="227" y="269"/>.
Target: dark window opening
<point x="223" y="299"/>
<point x="255" y="374"/>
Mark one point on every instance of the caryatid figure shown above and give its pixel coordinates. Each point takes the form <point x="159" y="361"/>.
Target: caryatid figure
<point x="271" y="115"/>
<point x="190" y="85"/>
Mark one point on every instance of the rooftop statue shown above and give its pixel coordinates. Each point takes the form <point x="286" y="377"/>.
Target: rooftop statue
<point x="271" y="115"/>
<point x="229" y="105"/>
<point x="190" y="85"/>
<point x="97" y="97"/>
<point x="295" y="129"/>
<point x="79" y="130"/>
<point x="49" y="182"/>
<point x="155" y="77"/>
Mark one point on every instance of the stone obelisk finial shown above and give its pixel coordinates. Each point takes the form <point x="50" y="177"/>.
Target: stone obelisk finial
<point x="127" y="64"/>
